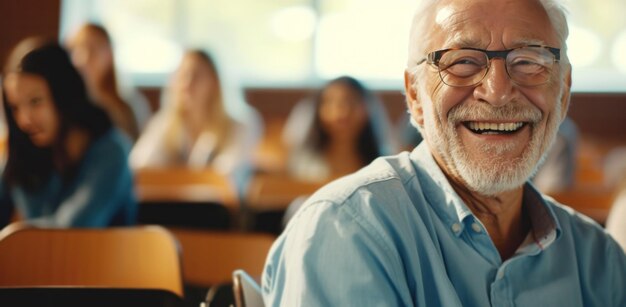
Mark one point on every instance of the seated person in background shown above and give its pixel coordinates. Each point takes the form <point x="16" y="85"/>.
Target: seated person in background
<point x="455" y="222"/>
<point x="201" y="124"/>
<point x="67" y="166"/>
<point x="558" y="171"/>
<point x="92" y="54"/>
<point x="616" y="222"/>
<point x="12" y="63"/>
<point x="342" y="129"/>
<point x="615" y="173"/>
<point x="409" y="136"/>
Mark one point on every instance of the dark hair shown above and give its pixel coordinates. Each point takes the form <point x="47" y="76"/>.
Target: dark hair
<point x="27" y="164"/>
<point x="368" y="143"/>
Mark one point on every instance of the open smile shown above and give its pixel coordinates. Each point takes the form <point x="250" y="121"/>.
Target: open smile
<point x="478" y="127"/>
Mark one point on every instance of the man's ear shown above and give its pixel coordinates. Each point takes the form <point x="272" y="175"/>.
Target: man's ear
<point x="566" y="92"/>
<point x="412" y="102"/>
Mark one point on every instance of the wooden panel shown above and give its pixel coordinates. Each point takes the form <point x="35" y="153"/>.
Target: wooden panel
<point x="24" y="18"/>
<point x="600" y="115"/>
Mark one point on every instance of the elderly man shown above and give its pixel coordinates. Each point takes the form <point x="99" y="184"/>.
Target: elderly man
<point x="455" y="223"/>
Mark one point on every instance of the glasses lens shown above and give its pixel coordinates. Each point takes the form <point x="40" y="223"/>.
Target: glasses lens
<point x="463" y="67"/>
<point x="530" y="65"/>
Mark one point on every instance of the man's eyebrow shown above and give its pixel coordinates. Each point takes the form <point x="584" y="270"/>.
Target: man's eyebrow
<point x="527" y="41"/>
<point x="464" y="42"/>
<point x="472" y="42"/>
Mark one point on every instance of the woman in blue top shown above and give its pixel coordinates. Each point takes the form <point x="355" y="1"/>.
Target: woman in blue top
<point x="67" y="166"/>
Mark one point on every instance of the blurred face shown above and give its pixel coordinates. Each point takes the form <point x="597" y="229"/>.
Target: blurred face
<point x="91" y="54"/>
<point x="342" y="112"/>
<point x="194" y="86"/>
<point x="33" y="108"/>
<point x="491" y="136"/>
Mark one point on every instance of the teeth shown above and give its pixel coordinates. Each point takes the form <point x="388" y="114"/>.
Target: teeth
<point x="478" y="126"/>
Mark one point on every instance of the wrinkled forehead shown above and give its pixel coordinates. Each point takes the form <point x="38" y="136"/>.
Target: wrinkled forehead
<point x="487" y="24"/>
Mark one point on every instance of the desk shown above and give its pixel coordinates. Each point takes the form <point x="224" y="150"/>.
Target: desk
<point x="185" y="197"/>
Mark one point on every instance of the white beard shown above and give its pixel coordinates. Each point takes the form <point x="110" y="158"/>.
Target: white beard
<point x="489" y="174"/>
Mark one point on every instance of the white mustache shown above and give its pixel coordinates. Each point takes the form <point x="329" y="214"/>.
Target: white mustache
<point x="509" y="112"/>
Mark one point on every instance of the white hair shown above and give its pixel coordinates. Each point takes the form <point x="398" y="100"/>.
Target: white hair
<point x="423" y="18"/>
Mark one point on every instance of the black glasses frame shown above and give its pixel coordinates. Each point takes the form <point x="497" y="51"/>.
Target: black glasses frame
<point x="434" y="57"/>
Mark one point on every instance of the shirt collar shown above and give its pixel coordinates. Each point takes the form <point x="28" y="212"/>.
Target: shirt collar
<point x="545" y="227"/>
<point x="452" y="210"/>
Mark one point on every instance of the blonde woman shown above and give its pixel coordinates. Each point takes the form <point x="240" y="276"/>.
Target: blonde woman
<point x="200" y="124"/>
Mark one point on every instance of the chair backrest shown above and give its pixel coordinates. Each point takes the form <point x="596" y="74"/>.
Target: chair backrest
<point x="210" y="257"/>
<point x="184" y="184"/>
<point x="247" y="291"/>
<point x="131" y="258"/>
<point x="271" y="192"/>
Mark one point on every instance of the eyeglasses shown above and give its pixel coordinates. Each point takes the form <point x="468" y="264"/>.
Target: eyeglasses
<point x="529" y="65"/>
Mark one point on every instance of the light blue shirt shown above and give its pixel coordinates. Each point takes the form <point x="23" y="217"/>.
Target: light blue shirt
<point x="397" y="234"/>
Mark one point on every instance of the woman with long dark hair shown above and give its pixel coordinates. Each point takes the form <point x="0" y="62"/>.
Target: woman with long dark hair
<point x="67" y="166"/>
<point x="343" y="128"/>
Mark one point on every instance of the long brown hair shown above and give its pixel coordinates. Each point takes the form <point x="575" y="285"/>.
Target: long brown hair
<point x="28" y="165"/>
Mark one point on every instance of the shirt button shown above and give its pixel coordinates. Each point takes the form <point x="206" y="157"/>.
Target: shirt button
<point x="500" y="274"/>
<point x="456" y="227"/>
<point x="476" y="227"/>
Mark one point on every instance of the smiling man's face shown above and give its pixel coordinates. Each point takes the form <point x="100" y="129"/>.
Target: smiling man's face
<point x="491" y="136"/>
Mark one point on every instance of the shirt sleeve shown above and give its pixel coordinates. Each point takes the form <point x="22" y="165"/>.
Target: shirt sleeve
<point x="329" y="256"/>
<point x="618" y="269"/>
<point x="104" y="185"/>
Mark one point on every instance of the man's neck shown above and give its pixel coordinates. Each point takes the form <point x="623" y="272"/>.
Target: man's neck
<point x="503" y="215"/>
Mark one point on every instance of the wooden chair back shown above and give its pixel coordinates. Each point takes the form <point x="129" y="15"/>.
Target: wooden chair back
<point x="209" y="258"/>
<point x="274" y="192"/>
<point x="135" y="258"/>
<point x="184" y="184"/>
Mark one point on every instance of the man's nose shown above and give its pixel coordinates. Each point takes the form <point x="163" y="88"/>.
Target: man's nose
<point x="497" y="87"/>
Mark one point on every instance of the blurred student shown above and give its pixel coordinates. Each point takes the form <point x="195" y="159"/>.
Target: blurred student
<point x="616" y="222"/>
<point x="343" y="128"/>
<point x="92" y="54"/>
<point x="615" y="176"/>
<point x="201" y="123"/>
<point x="67" y="166"/>
<point x="557" y="173"/>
